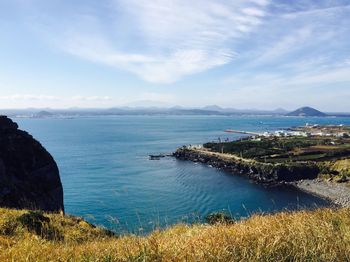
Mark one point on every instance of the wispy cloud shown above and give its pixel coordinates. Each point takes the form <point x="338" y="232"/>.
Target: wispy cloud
<point x="287" y="44"/>
<point x="300" y="55"/>
<point x="172" y="38"/>
<point x="316" y="10"/>
<point x="298" y="81"/>
<point x="267" y="50"/>
<point x="267" y="90"/>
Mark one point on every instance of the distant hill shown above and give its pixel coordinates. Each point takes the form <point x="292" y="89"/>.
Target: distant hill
<point x="280" y="110"/>
<point x="229" y="110"/>
<point x="213" y="108"/>
<point x="43" y="114"/>
<point x="306" y="111"/>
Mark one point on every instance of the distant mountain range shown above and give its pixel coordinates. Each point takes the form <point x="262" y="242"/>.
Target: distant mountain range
<point x="176" y="110"/>
<point x="278" y="111"/>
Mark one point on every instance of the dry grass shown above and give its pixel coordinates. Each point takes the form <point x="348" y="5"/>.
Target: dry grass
<point x="342" y="165"/>
<point x="321" y="235"/>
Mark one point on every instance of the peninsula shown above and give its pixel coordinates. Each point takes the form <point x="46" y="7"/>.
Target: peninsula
<point x="314" y="158"/>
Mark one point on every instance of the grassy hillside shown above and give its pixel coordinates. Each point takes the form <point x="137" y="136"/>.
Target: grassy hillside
<point x="321" y="235"/>
<point x="336" y="171"/>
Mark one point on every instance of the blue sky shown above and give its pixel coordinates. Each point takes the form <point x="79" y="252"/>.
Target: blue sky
<point x="244" y="54"/>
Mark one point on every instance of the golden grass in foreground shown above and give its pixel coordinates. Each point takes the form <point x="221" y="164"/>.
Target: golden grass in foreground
<point x="321" y="235"/>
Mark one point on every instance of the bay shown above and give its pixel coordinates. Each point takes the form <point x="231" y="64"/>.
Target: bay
<point x="109" y="180"/>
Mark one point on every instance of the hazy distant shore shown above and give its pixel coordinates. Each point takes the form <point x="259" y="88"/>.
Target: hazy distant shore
<point x="155" y="110"/>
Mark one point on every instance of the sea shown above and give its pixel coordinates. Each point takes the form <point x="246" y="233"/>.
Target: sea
<point x="109" y="180"/>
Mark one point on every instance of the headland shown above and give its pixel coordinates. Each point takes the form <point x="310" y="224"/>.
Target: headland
<point x="315" y="153"/>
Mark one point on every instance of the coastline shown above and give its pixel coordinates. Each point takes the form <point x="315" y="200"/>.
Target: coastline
<point x="262" y="173"/>
<point x="338" y="194"/>
<point x="271" y="175"/>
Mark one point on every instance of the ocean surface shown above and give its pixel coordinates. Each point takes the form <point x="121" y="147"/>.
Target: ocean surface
<point x="109" y="180"/>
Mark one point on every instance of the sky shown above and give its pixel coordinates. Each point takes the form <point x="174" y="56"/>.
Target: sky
<point x="261" y="54"/>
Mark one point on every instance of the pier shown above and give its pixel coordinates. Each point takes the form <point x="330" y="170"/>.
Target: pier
<point x="242" y="132"/>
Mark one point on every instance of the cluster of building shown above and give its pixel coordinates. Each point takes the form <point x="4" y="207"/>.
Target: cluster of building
<point x="194" y="147"/>
<point x="311" y="130"/>
<point x="285" y="133"/>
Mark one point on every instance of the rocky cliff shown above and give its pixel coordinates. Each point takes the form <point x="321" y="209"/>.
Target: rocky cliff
<point x="29" y="176"/>
<point x="264" y="173"/>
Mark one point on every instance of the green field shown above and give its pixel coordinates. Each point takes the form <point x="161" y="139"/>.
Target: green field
<point x="286" y="149"/>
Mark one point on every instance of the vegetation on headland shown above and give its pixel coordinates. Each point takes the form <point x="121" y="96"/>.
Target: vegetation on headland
<point x="285" y="149"/>
<point x="329" y="154"/>
<point x="336" y="171"/>
<point x="319" y="235"/>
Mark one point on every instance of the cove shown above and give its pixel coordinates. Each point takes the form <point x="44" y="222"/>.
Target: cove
<point x="109" y="180"/>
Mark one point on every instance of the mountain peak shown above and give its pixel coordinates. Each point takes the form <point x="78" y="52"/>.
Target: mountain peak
<point x="306" y="111"/>
<point x="212" y="108"/>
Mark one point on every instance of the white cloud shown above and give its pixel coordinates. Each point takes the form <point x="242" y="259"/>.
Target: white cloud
<point x="265" y="90"/>
<point x="274" y="47"/>
<point x="316" y="11"/>
<point x="289" y="43"/>
<point x="159" y="68"/>
<point x="291" y="36"/>
<point x="253" y="12"/>
<point x="297" y="81"/>
<point x="261" y="2"/>
<point x="173" y="38"/>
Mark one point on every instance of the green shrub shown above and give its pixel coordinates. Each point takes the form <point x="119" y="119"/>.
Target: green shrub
<point x="219" y="217"/>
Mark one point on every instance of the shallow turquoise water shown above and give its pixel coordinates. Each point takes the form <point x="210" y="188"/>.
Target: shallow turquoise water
<point x="108" y="179"/>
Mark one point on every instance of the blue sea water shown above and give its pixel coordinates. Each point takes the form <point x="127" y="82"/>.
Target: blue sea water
<point x="108" y="178"/>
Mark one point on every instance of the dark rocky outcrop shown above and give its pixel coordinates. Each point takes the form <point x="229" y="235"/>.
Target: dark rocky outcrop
<point x="29" y="176"/>
<point x="264" y="173"/>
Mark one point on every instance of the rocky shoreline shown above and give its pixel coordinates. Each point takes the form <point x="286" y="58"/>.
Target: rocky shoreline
<point x="262" y="173"/>
<point x="338" y="194"/>
<point x="301" y="176"/>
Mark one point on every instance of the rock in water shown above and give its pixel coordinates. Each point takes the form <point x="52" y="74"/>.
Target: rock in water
<point x="29" y="176"/>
